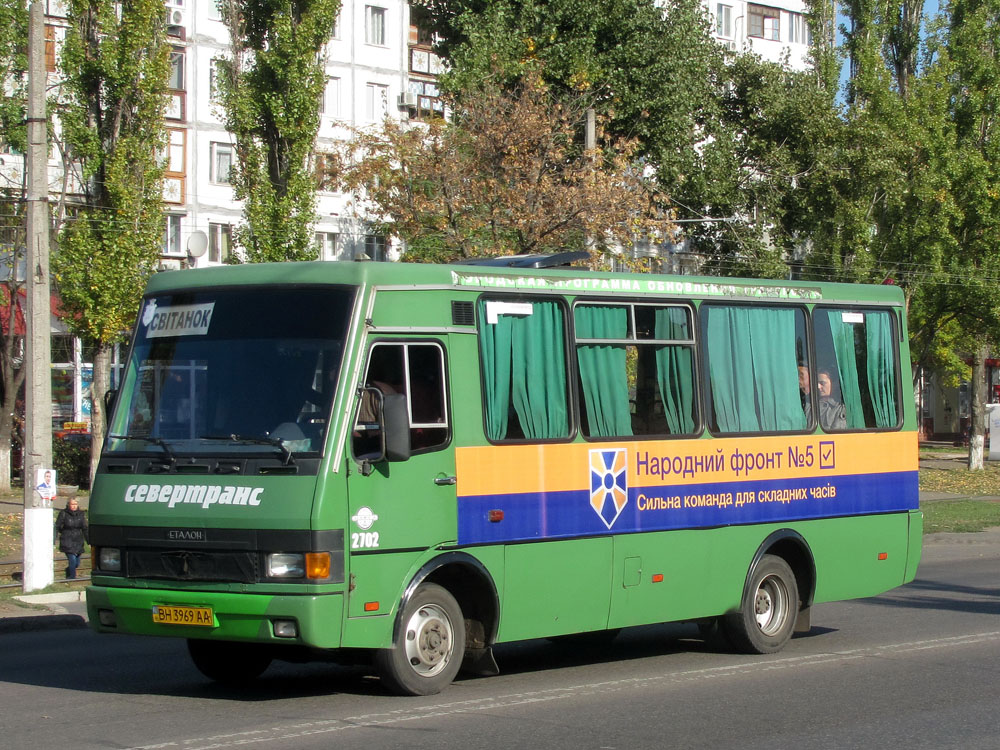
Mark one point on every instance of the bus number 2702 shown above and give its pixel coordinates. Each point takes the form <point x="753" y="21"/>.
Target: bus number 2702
<point x="364" y="540"/>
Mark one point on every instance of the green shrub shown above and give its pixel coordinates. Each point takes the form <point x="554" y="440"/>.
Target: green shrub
<point x="71" y="459"/>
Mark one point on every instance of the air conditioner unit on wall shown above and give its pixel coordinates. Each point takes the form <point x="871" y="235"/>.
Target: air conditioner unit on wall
<point x="169" y="264"/>
<point x="731" y="46"/>
<point x="406" y="99"/>
<point x="176" y="17"/>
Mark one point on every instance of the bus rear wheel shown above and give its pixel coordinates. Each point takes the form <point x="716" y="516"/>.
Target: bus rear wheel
<point x="429" y="645"/>
<point x="228" y="662"/>
<point x="767" y="614"/>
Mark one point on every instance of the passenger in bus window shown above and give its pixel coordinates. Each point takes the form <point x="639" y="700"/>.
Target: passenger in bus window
<point x="804" y="388"/>
<point x="831" y="410"/>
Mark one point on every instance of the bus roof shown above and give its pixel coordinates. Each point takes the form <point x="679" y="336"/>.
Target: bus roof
<point x="563" y="280"/>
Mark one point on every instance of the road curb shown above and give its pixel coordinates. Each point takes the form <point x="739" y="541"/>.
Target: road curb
<point x="57" y="597"/>
<point x="41" y="622"/>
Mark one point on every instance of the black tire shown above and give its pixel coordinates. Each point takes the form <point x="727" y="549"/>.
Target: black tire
<point x="229" y="662"/>
<point x="767" y="613"/>
<point x="429" y="645"/>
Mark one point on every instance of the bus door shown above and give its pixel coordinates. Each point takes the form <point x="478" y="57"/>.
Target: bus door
<point x="400" y="506"/>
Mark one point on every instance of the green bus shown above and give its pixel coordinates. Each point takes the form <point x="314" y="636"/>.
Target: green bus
<point x="412" y="463"/>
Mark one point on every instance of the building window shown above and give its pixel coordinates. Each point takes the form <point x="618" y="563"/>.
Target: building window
<point x="222" y="163"/>
<point x="50" y="48"/>
<point x="176" y="79"/>
<point x="377" y="102"/>
<point x="426" y="98"/>
<point x="724" y="20"/>
<point x="214" y="10"/>
<point x="220" y="242"/>
<point x="375" y="25"/>
<point x="174" y="162"/>
<point x="798" y="29"/>
<point x="326" y="172"/>
<point x="763" y="22"/>
<point x="336" y="26"/>
<point x="327" y="245"/>
<point x="330" y="104"/>
<point x="375" y="247"/>
<point x="172" y="235"/>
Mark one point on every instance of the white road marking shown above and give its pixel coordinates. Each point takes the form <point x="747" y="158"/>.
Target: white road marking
<point x="310" y="728"/>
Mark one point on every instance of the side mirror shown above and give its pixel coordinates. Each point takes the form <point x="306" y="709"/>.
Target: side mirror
<point x="396" y="424"/>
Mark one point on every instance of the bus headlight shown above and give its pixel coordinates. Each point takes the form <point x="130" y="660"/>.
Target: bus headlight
<point x="286" y="565"/>
<point x="110" y="559"/>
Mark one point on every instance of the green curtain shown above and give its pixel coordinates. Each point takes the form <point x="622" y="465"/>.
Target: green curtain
<point x="524" y="367"/>
<point x="881" y="370"/>
<point x="847" y="368"/>
<point x="728" y="367"/>
<point x="674" y="371"/>
<point x="603" y="376"/>
<point x="753" y="370"/>
<point x="495" y="349"/>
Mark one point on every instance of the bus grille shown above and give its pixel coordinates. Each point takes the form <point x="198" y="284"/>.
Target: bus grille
<point x="186" y="565"/>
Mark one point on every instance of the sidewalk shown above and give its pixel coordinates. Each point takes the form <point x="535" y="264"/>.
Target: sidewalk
<point x="58" y="611"/>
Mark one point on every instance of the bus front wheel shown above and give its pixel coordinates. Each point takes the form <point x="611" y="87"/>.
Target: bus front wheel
<point x="767" y="614"/>
<point x="228" y="662"/>
<point x="429" y="645"/>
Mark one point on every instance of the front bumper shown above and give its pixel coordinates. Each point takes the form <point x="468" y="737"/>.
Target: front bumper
<point x="236" y="617"/>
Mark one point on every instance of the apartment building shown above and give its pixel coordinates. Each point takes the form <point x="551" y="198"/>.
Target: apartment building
<point x="771" y="31"/>
<point x="379" y="63"/>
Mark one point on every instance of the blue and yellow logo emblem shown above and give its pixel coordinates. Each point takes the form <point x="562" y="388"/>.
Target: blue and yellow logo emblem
<point x="608" y="483"/>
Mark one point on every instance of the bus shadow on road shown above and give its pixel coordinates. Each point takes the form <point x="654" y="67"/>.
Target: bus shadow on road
<point x="923" y="593"/>
<point x="132" y="665"/>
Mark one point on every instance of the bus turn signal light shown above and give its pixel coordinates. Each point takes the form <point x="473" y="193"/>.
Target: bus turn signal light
<point x="371" y="606"/>
<point x="495" y="516"/>
<point x="657" y="577"/>
<point x="317" y="565"/>
<point x="883" y="555"/>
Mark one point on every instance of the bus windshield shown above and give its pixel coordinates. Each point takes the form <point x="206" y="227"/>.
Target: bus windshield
<point x="245" y="370"/>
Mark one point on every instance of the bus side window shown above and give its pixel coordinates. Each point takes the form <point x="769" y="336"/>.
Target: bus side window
<point x="857" y="348"/>
<point x="417" y="371"/>
<point x="522" y="348"/>
<point x="752" y="367"/>
<point x="636" y="369"/>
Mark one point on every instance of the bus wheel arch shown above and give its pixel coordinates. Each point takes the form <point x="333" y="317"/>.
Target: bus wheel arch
<point x="790" y="546"/>
<point x="427" y="646"/>
<point x="777" y="595"/>
<point x="467" y="580"/>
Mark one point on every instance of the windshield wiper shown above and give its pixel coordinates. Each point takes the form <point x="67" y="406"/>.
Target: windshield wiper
<point x="153" y="440"/>
<point x="254" y="440"/>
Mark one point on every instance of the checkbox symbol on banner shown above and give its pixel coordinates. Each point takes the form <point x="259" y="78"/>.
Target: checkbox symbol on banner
<point x="827" y="455"/>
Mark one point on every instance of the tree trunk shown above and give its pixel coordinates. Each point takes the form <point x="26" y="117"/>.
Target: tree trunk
<point x="977" y="407"/>
<point x="102" y="379"/>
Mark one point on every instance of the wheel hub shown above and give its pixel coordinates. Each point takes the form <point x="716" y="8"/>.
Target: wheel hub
<point x="429" y="640"/>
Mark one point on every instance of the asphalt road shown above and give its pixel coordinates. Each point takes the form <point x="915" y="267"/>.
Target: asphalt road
<point x="915" y="668"/>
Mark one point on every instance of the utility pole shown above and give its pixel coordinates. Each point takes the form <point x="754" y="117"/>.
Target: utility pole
<point x="38" y="572"/>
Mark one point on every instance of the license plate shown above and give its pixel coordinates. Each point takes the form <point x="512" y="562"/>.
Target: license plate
<point x="169" y="615"/>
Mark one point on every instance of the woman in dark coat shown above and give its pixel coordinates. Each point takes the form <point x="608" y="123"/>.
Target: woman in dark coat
<point x="71" y="529"/>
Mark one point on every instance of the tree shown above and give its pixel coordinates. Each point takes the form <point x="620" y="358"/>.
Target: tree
<point x="650" y="68"/>
<point x="115" y="64"/>
<point x="971" y="61"/>
<point x="270" y="93"/>
<point x="509" y="174"/>
<point x="13" y="85"/>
